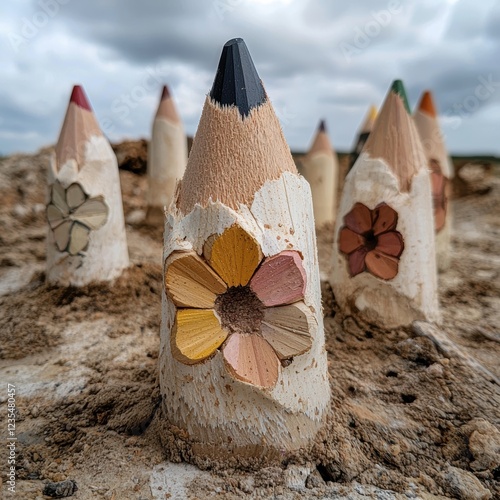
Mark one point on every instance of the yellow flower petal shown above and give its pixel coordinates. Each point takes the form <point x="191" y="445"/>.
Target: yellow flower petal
<point x="189" y="282"/>
<point x="196" y="335"/>
<point x="234" y="255"/>
<point x="287" y="329"/>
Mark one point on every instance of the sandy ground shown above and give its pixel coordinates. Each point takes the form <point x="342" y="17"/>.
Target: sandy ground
<point x="415" y="411"/>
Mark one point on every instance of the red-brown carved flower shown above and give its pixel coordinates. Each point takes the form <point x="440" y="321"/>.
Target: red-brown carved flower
<point x="439" y="198"/>
<point x="370" y="241"/>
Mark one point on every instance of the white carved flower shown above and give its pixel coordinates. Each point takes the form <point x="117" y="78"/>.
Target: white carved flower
<point x="72" y="215"/>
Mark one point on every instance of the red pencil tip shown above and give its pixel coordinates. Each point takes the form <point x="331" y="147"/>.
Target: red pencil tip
<point x="165" y="92"/>
<point x="427" y="104"/>
<point x="79" y="98"/>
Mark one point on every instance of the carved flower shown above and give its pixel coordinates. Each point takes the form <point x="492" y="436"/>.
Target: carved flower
<point x="370" y="241"/>
<point x="439" y="199"/>
<point x="235" y="301"/>
<point x="72" y="215"/>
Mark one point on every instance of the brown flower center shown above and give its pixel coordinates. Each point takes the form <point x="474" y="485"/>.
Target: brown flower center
<point x="370" y="240"/>
<point x="240" y="310"/>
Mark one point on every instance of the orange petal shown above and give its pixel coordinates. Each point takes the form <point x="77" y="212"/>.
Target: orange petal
<point x="390" y="243"/>
<point x="435" y="166"/>
<point x="349" y="240"/>
<point x="357" y="261"/>
<point x="439" y="218"/>
<point x="251" y="359"/>
<point x="189" y="282"/>
<point x="438" y="183"/>
<point x="385" y="219"/>
<point x="287" y="329"/>
<point x="280" y="279"/>
<point x="196" y="335"/>
<point x="381" y="265"/>
<point x="359" y="219"/>
<point x="234" y="255"/>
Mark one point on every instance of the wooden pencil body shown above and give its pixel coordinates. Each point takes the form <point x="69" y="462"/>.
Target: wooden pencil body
<point x="167" y="158"/>
<point x="412" y="293"/>
<point x="321" y="171"/>
<point x="106" y="254"/>
<point x="435" y="152"/>
<point x="225" y="417"/>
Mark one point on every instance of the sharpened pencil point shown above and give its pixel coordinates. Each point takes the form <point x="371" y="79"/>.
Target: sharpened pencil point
<point x="322" y="126"/>
<point x="372" y="113"/>
<point x="237" y="82"/>
<point x="165" y="94"/>
<point x="426" y="104"/>
<point x="79" y="98"/>
<point x="398" y="88"/>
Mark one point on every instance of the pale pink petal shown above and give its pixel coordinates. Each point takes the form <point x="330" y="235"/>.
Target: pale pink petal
<point x="251" y="359"/>
<point x="280" y="279"/>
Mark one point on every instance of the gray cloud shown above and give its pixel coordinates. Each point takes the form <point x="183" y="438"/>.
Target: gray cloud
<point x="317" y="59"/>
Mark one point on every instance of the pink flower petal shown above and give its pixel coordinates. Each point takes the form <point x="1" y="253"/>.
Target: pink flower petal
<point x="438" y="183"/>
<point x="280" y="279"/>
<point x="251" y="359"/>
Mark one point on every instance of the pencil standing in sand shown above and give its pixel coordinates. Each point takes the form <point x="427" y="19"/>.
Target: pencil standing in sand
<point x="363" y="133"/>
<point x="167" y="158"/>
<point x="243" y="366"/>
<point x="441" y="171"/>
<point x="384" y="268"/>
<point x="86" y="239"/>
<point x="321" y="169"/>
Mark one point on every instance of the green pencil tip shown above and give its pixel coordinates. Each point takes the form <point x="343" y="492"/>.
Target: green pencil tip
<point x="399" y="88"/>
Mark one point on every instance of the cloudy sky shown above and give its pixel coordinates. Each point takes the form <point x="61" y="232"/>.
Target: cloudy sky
<point x="317" y="59"/>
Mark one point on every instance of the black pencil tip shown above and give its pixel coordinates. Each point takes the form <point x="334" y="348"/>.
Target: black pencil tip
<point x="237" y="82"/>
<point x="322" y="126"/>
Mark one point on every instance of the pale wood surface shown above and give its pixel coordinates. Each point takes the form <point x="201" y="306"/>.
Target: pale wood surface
<point x="167" y="159"/>
<point x="95" y="168"/>
<point x="435" y="148"/>
<point x="233" y="156"/>
<point x="224" y="415"/>
<point x="392" y="169"/>
<point x="395" y="140"/>
<point x="321" y="169"/>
